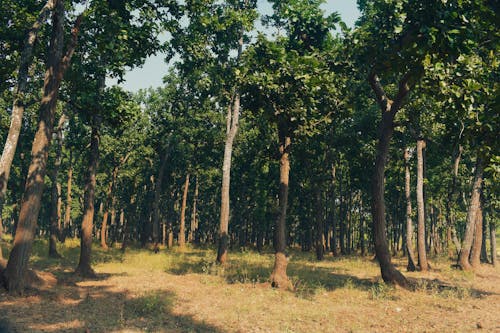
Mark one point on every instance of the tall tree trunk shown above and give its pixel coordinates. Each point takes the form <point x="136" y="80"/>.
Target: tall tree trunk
<point x="15" y="272"/>
<point x="389" y="109"/>
<point x="475" y="256"/>
<point x="67" y="213"/>
<point x="182" y="228"/>
<point x="484" y="253"/>
<point x="194" y="221"/>
<point x="421" y="248"/>
<point x="232" y="123"/>
<point x="361" y="226"/>
<point x="334" y="219"/>
<point x="84" y="269"/>
<point x="157" y="196"/>
<point x="10" y="146"/>
<point x="232" y="120"/>
<point x="55" y="215"/>
<point x="450" y="213"/>
<point x="279" y="278"/>
<point x="493" y="242"/>
<point x="320" y="227"/>
<point x="463" y="258"/>
<point x="409" y="222"/>
<point x="110" y="199"/>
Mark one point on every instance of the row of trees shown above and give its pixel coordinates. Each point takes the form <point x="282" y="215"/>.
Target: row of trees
<point x="327" y="138"/>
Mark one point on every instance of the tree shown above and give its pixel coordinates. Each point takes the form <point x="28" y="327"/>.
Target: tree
<point x="20" y="98"/>
<point x="56" y="66"/>
<point x="288" y="80"/>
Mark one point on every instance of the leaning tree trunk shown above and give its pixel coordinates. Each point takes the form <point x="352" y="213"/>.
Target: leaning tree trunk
<point x="409" y="222"/>
<point x="15" y="272"/>
<point x="84" y="269"/>
<point x="55" y="214"/>
<point x="182" y="227"/>
<point x="421" y="248"/>
<point x="463" y="259"/>
<point x="279" y="278"/>
<point x="389" y="109"/>
<point x="10" y="146"/>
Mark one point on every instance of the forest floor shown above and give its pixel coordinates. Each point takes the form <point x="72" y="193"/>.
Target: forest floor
<point x="183" y="291"/>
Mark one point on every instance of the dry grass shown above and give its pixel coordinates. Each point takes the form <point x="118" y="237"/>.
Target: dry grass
<point x="176" y="291"/>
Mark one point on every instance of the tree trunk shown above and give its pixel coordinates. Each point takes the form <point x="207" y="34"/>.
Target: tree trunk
<point x="493" y="242"/>
<point x="279" y="278"/>
<point x="409" y="222"/>
<point x="475" y="256"/>
<point x="104" y="229"/>
<point x="55" y="216"/>
<point x="84" y="269"/>
<point x="334" y="220"/>
<point x="56" y="66"/>
<point x="484" y="253"/>
<point x="320" y="227"/>
<point x="157" y="196"/>
<point x="194" y="221"/>
<point x="421" y="248"/>
<point x="10" y="146"/>
<point x="67" y="213"/>
<point x="182" y="228"/>
<point x="232" y="119"/>
<point x="450" y="214"/>
<point x="386" y="128"/>
<point x="463" y="258"/>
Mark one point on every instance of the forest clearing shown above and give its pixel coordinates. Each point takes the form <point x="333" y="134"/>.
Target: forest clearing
<point x="185" y="291"/>
<point x="284" y="166"/>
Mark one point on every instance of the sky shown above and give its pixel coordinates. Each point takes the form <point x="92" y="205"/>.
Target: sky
<point x="154" y="69"/>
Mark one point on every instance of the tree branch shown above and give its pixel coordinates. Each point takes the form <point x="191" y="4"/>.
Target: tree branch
<point x="382" y="99"/>
<point x="403" y="91"/>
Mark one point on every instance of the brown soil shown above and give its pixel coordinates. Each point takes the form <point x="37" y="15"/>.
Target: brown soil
<point x="184" y="292"/>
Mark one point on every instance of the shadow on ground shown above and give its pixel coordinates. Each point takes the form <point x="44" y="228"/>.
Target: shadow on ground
<point x="94" y="309"/>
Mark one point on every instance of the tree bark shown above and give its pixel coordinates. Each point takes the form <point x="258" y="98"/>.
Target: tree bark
<point x="450" y="215"/>
<point x="475" y="256"/>
<point x="10" y="146"/>
<point x="484" y="252"/>
<point x="463" y="258"/>
<point x="279" y="278"/>
<point x="422" y="255"/>
<point x="232" y="123"/>
<point x="389" y="109"/>
<point x="15" y="272"/>
<point x="409" y="222"/>
<point x="194" y="221"/>
<point x="334" y="220"/>
<point x="493" y="242"/>
<point x="157" y="196"/>
<point x="55" y="215"/>
<point x="232" y="120"/>
<point x="182" y="228"/>
<point x="320" y="227"/>
<point x="67" y="213"/>
<point x="84" y="268"/>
